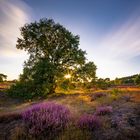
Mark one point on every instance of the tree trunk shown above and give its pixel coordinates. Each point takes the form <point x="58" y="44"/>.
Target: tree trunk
<point x="53" y="87"/>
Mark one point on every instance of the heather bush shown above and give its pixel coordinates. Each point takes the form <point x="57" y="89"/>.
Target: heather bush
<point x="103" y="110"/>
<point x="46" y="119"/>
<point x="88" y="122"/>
<point x="97" y="95"/>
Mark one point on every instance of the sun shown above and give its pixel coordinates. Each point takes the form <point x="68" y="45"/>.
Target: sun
<point x="67" y="76"/>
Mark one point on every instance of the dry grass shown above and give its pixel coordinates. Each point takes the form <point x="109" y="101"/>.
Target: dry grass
<point x="78" y="102"/>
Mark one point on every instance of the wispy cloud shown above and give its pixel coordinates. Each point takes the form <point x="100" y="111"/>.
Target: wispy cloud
<point x="13" y="15"/>
<point x="115" y="52"/>
<point x="124" y="41"/>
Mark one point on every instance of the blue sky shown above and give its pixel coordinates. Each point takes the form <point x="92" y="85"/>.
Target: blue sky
<point x="109" y="32"/>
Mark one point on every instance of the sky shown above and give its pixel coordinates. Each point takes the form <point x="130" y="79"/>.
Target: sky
<point x="109" y="32"/>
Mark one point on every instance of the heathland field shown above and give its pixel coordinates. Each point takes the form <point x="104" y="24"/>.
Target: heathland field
<point x="112" y="114"/>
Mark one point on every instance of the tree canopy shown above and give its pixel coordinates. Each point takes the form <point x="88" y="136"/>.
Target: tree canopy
<point x="2" y="77"/>
<point x="137" y="80"/>
<point x="52" y="50"/>
<point x="87" y="72"/>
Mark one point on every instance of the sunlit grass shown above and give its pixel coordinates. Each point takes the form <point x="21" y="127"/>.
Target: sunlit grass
<point x="78" y="99"/>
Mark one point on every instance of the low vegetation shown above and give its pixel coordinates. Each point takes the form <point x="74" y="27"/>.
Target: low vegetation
<point x="72" y="116"/>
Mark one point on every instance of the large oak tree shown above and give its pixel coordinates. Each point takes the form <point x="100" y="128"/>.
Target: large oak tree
<point x="52" y="51"/>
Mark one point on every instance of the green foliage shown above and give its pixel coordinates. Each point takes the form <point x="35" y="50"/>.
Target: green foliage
<point x="129" y="80"/>
<point x="103" y="83"/>
<point x="2" y="77"/>
<point x="85" y="75"/>
<point x="65" y="84"/>
<point x="117" y="81"/>
<point x="137" y="80"/>
<point x="87" y="72"/>
<point x="115" y="91"/>
<point x="53" y="51"/>
<point x="22" y="90"/>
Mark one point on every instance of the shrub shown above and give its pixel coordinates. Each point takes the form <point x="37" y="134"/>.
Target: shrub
<point x="103" y="110"/>
<point x="22" y="90"/>
<point x="88" y="122"/>
<point x="102" y="83"/>
<point x="97" y="95"/>
<point x="46" y="119"/>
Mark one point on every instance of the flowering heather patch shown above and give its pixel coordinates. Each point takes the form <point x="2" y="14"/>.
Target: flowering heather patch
<point x="98" y="95"/>
<point x="88" y="122"/>
<point x="103" y="110"/>
<point x="46" y="118"/>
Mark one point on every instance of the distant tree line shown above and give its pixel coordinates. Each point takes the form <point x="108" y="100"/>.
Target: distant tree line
<point x="124" y="81"/>
<point x="129" y="80"/>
